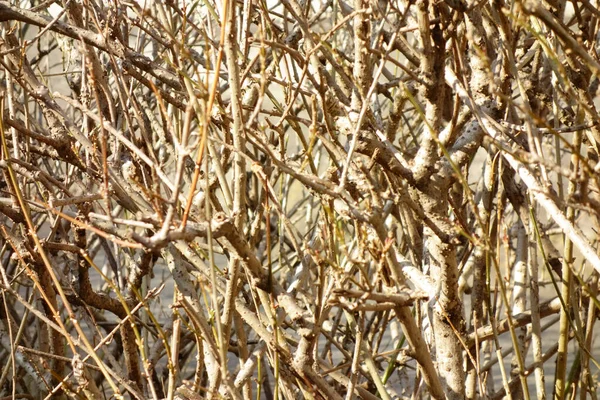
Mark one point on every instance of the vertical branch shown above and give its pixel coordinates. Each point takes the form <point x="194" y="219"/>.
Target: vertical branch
<point x="432" y="89"/>
<point x="534" y="298"/>
<point x="446" y="312"/>
<point x="519" y="298"/>
<point x="567" y="285"/>
<point x="478" y="262"/>
<point x="587" y="382"/>
<point x="238" y="132"/>
<point x="239" y="176"/>
<point x="362" y="68"/>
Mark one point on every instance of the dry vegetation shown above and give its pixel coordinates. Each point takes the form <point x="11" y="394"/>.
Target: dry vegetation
<point x="279" y="199"/>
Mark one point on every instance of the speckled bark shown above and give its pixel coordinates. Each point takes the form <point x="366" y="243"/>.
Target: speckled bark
<point x="433" y="184"/>
<point x="446" y="311"/>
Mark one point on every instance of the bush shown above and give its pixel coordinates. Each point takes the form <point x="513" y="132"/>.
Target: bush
<point x="291" y="199"/>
